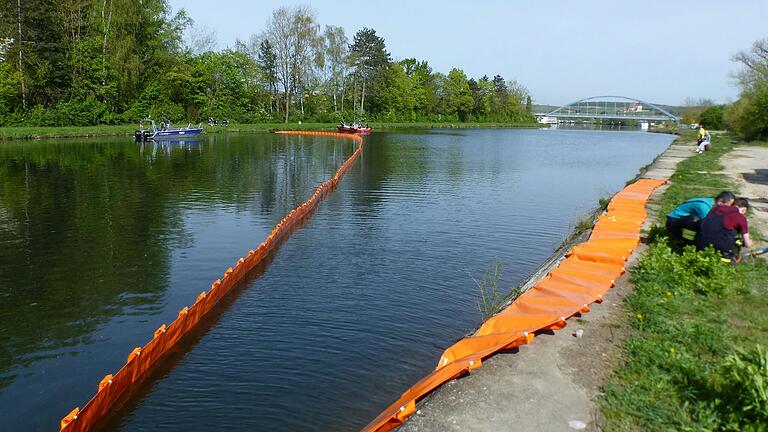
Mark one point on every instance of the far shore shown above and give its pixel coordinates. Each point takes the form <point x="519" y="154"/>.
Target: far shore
<point x="36" y="133"/>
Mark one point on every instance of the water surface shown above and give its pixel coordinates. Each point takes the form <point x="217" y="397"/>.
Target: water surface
<point x="103" y="241"/>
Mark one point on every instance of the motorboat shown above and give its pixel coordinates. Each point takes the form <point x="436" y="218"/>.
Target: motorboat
<point x="354" y="128"/>
<point x="166" y="131"/>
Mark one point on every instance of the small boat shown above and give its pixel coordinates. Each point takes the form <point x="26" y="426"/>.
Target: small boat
<point x="354" y="128"/>
<point x="166" y="131"/>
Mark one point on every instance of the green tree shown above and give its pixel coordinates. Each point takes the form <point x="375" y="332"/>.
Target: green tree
<point x="713" y="117"/>
<point x="499" y="97"/>
<point x="459" y="100"/>
<point x="482" y="96"/>
<point x="749" y="115"/>
<point x="292" y="33"/>
<point x="423" y="88"/>
<point x="336" y="51"/>
<point x="400" y="100"/>
<point x="267" y="60"/>
<point x="9" y="90"/>
<point x="77" y="62"/>
<point x="371" y="62"/>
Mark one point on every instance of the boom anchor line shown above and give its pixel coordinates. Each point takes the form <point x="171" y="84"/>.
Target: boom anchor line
<point x="143" y="360"/>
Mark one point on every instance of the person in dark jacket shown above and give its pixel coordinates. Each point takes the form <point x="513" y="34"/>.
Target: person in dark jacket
<point x="683" y="222"/>
<point x="722" y="226"/>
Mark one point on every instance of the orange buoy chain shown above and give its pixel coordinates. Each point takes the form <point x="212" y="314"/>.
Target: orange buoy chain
<point x="143" y="359"/>
<point x="588" y="271"/>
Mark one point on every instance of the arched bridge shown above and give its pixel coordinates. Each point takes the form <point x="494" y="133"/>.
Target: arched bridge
<point x="613" y="107"/>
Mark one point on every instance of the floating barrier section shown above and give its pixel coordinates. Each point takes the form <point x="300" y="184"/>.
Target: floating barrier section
<point x="587" y="272"/>
<point x="142" y="359"/>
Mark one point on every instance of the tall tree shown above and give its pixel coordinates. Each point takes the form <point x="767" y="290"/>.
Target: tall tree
<point x="749" y="115"/>
<point x="370" y="59"/>
<point x="292" y="32"/>
<point x="754" y="64"/>
<point x="267" y="60"/>
<point x="19" y="41"/>
<point x="423" y="86"/>
<point x="336" y="53"/>
<point x="458" y="94"/>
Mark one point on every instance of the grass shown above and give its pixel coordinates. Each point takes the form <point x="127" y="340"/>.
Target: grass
<point x="490" y="298"/>
<point x="694" y="359"/>
<point x="15" y="133"/>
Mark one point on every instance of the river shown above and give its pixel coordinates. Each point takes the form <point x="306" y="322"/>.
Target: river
<point x="103" y="240"/>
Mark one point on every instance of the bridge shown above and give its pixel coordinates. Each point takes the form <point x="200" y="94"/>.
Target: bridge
<point x="610" y="107"/>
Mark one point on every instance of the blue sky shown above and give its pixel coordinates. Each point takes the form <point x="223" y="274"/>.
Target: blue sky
<point x="659" y="51"/>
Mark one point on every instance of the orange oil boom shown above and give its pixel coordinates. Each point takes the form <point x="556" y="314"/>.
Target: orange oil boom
<point x="588" y="271"/>
<point x="142" y="359"/>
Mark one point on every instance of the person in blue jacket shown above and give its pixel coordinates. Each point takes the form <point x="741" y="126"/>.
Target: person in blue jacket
<point x="683" y="222"/>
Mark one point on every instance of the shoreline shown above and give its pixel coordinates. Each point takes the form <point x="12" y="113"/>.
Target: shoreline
<point x="54" y="132"/>
<point x="528" y="387"/>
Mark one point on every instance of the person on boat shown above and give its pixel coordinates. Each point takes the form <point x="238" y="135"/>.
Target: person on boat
<point x="683" y="222"/>
<point x="722" y="226"/>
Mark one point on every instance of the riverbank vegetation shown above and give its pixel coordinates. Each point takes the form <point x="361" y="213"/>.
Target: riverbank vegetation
<point x="694" y="358"/>
<point x="22" y="132"/>
<point x="749" y="115"/>
<point x="82" y="63"/>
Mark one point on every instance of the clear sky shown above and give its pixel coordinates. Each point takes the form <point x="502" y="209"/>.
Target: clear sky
<point x="658" y="51"/>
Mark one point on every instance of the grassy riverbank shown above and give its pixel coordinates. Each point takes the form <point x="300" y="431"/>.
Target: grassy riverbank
<point x="15" y="133"/>
<point x="690" y="361"/>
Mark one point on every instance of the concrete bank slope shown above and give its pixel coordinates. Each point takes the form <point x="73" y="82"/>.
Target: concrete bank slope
<point x="551" y="384"/>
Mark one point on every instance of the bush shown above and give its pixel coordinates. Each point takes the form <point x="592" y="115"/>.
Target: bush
<point x="738" y="393"/>
<point x="700" y="272"/>
<point x="713" y="117"/>
<point x="749" y="115"/>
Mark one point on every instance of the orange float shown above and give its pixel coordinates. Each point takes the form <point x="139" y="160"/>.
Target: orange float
<point x="587" y="272"/>
<point x="142" y="359"/>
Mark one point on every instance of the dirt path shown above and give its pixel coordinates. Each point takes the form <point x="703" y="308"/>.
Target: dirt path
<point x="748" y="166"/>
<point x="550" y="385"/>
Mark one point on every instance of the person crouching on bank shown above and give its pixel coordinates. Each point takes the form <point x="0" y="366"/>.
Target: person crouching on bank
<point x="683" y="222"/>
<point x="722" y="226"/>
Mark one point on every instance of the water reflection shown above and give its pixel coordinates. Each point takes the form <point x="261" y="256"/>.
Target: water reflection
<point x="101" y="241"/>
<point x="358" y="304"/>
<point x="151" y="148"/>
<point x="104" y="241"/>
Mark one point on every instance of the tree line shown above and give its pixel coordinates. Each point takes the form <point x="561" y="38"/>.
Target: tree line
<point x="749" y="114"/>
<point x="87" y="62"/>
